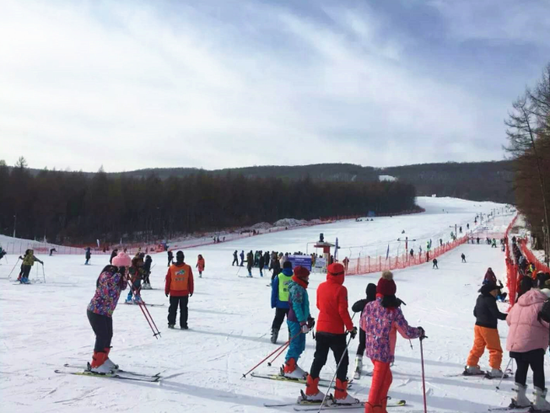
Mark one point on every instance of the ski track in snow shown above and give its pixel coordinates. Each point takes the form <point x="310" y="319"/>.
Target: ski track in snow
<point x="44" y="326"/>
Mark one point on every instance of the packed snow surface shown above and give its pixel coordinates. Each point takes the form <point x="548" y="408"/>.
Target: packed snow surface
<point x="44" y="326"/>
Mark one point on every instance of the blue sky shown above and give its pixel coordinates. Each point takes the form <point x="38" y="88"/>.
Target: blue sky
<point x="230" y="83"/>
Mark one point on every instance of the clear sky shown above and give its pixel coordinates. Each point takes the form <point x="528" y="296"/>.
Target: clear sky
<point x="230" y="83"/>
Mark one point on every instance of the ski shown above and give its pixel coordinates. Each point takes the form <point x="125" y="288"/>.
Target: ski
<point x="148" y="305"/>
<point x="332" y="406"/>
<point x="110" y="376"/>
<point x="278" y="377"/>
<point x="84" y="368"/>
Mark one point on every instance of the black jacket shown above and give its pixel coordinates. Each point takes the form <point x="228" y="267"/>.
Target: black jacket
<point x="486" y="311"/>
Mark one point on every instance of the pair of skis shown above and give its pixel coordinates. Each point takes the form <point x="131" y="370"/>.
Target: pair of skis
<point x="311" y="406"/>
<point x="116" y="374"/>
<point x="278" y="377"/>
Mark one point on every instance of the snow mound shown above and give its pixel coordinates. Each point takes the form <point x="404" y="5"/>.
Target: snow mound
<point x="289" y="222"/>
<point x="261" y="225"/>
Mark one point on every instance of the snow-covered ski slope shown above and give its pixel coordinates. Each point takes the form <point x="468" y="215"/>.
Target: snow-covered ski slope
<point x="43" y="326"/>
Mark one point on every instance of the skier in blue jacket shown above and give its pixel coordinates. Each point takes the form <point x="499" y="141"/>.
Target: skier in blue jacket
<point x="279" y="299"/>
<point x="299" y="322"/>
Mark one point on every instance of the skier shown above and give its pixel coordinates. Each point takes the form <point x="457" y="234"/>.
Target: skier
<point x="28" y="261"/>
<point x="299" y="322"/>
<point x="88" y="255"/>
<point x="358" y="307"/>
<point x="200" y="265"/>
<point x="463" y="257"/>
<point x="275" y="266"/>
<point x="114" y="253"/>
<point x="235" y="259"/>
<point x="435" y="267"/>
<point x="135" y="275"/>
<point x="261" y="263"/>
<point x="485" y="332"/>
<point x="333" y="323"/>
<point x="109" y="285"/>
<point x="147" y="273"/>
<point x="242" y="257"/>
<point x="279" y="299"/>
<point x="527" y="342"/>
<point x="381" y="320"/>
<point x="52" y="250"/>
<point x="179" y="286"/>
<point x="170" y="257"/>
<point x="249" y="263"/>
<point x="490" y="277"/>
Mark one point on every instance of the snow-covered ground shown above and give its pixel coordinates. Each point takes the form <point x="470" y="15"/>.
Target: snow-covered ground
<point x="43" y="326"/>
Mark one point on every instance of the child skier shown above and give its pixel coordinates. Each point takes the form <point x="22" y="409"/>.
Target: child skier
<point x="28" y="261"/>
<point x="485" y="333"/>
<point x="200" y="265"/>
<point x="381" y="320"/>
<point x="434" y="262"/>
<point x="280" y="298"/>
<point x="299" y="322"/>
<point x="527" y="342"/>
<point x="334" y="321"/>
<point x="136" y="273"/>
<point x="179" y="286"/>
<point x="109" y="285"/>
<point x="147" y="273"/>
<point x="358" y="307"/>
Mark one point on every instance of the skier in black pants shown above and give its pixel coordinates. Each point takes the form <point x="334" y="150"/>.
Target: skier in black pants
<point x="179" y="286"/>
<point x="170" y="257"/>
<point x="275" y="266"/>
<point x="463" y="258"/>
<point x="235" y="259"/>
<point x="88" y="255"/>
<point x="358" y="307"/>
<point x="242" y="257"/>
<point x="261" y="263"/>
<point x="279" y="299"/>
<point x="435" y="267"/>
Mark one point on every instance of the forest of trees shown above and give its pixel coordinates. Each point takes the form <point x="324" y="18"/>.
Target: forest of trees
<point x="74" y="207"/>
<point x="529" y="146"/>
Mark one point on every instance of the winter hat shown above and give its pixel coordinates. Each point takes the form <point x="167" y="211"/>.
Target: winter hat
<point x="488" y="287"/>
<point x="122" y="260"/>
<point x="386" y="285"/>
<point x="525" y="284"/>
<point x="287" y="265"/>
<point x="180" y="256"/>
<point x="301" y="272"/>
<point x="371" y="292"/>
<point x="336" y="269"/>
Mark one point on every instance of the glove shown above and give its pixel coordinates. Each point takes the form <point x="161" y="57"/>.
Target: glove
<point x="311" y="323"/>
<point x="167" y="294"/>
<point x="305" y="328"/>
<point x="422" y="334"/>
<point x="353" y="332"/>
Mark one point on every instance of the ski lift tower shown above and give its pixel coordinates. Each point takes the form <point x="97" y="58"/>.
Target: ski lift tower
<point x="326" y="249"/>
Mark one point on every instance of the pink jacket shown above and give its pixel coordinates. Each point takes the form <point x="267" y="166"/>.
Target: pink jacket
<point x="526" y="331"/>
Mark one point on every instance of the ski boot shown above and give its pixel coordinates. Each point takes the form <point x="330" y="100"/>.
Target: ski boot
<point x="540" y="403"/>
<point x="341" y="396"/>
<point x="292" y="371"/>
<point x="98" y="365"/>
<point x="521" y="399"/>
<point x="312" y="394"/>
<point x="108" y="362"/>
<point x="473" y="371"/>
<point x="274" y="335"/>
<point x="495" y="374"/>
<point x="171" y="326"/>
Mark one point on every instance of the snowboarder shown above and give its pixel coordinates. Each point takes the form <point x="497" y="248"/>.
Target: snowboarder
<point x="485" y="332"/>
<point x="235" y="259"/>
<point x="358" y="307"/>
<point x="200" y="265"/>
<point x="333" y="323"/>
<point x="299" y="322"/>
<point x="279" y="299"/>
<point x="114" y="253"/>
<point x="28" y="261"/>
<point x="435" y="267"/>
<point x="249" y="263"/>
<point x="170" y="257"/>
<point x="527" y="343"/>
<point x="179" y="286"/>
<point x="147" y="272"/>
<point x="88" y="255"/>
<point x="242" y="258"/>
<point x="109" y="285"/>
<point x="381" y="320"/>
<point x="135" y="275"/>
<point x="463" y="257"/>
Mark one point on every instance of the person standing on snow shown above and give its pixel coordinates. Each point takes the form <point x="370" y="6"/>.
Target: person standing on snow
<point x="435" y="267"/>
<point x="527" y="343"/>
<point x="261" y="263"/>
<point x="358" y="307"/>
<point x="88" y="255"/>
<point x="381" y="319"/>
<point x="485" y="332"/>
<point x="249" y="262"/>
<point x="147" y="272"/>
<point x="235" y="259"/>
<point x="200" y="265"/>
<point x="242" y="258"/>
<point x="279" y="299"/>
<point x="109" y="285"/>
<point x="299" y="322"/>
<point x="179" y="286"/>
<point x="135" y="275"/>
<point x="275" y="267"/>
<point x="28" y="261"/>
<point x="463" y="257"/>
<point x="333" y="323"/>
<point x="170" y="257"/>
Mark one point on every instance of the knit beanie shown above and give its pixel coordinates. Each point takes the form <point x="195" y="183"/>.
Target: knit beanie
<point x="386" y="285"/>
<point x="301" y="272"/>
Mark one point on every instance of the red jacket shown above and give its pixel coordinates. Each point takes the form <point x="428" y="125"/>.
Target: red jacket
<point x="179" y="280"/>
<point x="332" y="302"/>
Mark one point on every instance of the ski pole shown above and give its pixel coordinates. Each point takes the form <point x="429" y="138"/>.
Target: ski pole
<point x="504" y="373"/>
<point x="276" y="350"/>
<point x="423" y="376"/>
<point x="14" y="265"/>
<point x="146" y="314"/>
<point x="269" y="363"/>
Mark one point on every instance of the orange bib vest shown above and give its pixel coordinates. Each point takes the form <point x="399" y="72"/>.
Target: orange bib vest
<point x="179" y="278"/>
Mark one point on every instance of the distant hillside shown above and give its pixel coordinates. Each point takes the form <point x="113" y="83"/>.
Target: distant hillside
<point x="478" y="181"/>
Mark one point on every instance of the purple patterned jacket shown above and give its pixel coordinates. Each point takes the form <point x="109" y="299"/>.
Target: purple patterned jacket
<point x="108" y="287"/>
<point x="380" y="325"/>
